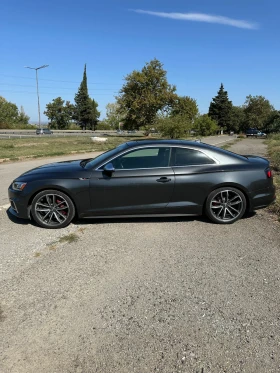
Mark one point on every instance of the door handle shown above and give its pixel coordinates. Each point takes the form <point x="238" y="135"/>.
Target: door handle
<point x="163" y="180"/>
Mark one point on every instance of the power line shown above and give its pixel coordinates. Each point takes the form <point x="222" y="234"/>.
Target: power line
<point x="59" y="81"/>
<point x="49" y="93"/>
<point x="31" y="86"/>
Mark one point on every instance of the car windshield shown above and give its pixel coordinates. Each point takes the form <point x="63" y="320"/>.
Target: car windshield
<point x="93" y="162"/>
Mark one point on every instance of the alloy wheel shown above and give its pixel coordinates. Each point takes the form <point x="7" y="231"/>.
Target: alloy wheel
<point x="227" y="205"/>
<point x="52" y="209"/>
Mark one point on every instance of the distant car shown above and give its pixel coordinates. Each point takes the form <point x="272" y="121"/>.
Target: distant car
<point x="253" y="132"/>
<point x="145" y="178"/>
<point x="43" y="131"/>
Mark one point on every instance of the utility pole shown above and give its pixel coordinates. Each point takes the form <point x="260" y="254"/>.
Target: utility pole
<point x="37" y="68"/>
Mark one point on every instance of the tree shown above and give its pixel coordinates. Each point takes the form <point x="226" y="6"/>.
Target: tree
<point x="205" y="126"/>
<point x="237" y="119"/>
<point x="22" y="117"/>
<point x="173" y="127"/>
<point x="145" y="93"/>
<point x="185" y="106"/>
<point x="257" y="110"/>
<point x="220" y="109"/>
<point x="10" y="116"/>
<point x="113" y="115"/>
<point x="272" y="123"/>
<point x="94" y="114"/>
<point x="83" y="109"/>
<point x="60" y="115"/>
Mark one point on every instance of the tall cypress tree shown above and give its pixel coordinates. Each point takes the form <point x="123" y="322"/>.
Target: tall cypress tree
<point x="220" y="109"/>
<point x="83" y="104"/>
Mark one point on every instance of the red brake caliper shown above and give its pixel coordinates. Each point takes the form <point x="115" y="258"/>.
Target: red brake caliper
<point x="62" y="211"/>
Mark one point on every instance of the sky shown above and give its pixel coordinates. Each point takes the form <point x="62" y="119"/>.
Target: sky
<point x="201" y="44"/>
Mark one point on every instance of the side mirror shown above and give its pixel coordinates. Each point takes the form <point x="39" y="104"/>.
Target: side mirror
<point x="109" y="168"/>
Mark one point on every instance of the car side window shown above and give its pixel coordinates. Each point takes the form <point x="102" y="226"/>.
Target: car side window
<point x="190" y="157"/>
<point x="152" y="157"/>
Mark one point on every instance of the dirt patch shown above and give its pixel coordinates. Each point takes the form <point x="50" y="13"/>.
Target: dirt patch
<point x="250" y="147"/>
<point x="31" y="144"/>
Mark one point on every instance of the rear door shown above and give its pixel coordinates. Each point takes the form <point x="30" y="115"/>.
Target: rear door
<point x="142" y="183"/>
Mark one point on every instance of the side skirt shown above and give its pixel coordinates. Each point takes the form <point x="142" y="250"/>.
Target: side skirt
<point x="136" y="216"/>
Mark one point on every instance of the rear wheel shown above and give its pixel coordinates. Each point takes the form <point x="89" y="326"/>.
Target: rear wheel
<point x="52" y="209"/>
<point x="225" y="205"/>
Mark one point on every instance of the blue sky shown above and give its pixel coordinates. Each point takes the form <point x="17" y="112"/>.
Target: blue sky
<point x="200" y="42"/>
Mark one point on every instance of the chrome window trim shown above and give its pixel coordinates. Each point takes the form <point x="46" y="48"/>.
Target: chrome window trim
<point x="156" y="146"/>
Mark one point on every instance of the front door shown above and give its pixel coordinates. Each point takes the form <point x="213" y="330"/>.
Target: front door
<point x="142" y="183"/>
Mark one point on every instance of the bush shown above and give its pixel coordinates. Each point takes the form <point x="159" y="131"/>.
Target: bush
<point x="74" y="126"/>
<point x="205" y="126"/>
<point x="173" y="127"/>
<point x="103" y="126"/>
<point x="273" y="143"/>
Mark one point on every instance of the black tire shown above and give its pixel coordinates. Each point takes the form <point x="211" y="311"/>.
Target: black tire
<point x="225" y="205"/>
<point x="52" y="209"/>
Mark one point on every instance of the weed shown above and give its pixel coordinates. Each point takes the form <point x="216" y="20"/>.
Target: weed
<point x="229" y="144"/>
<point x="72" y="237"/>
<point x="52" y="247"/>
<point x="273" y="145"/>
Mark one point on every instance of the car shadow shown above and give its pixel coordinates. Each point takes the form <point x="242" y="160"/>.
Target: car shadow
<point x="20" y="221"/>
<point x="100" y="220"/>
<point x="163" y="219"/>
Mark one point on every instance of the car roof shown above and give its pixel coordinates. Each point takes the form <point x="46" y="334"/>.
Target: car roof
<point x="223" y="153"/>
<point x="170" y="142"/>
<point x="160" y="142"/>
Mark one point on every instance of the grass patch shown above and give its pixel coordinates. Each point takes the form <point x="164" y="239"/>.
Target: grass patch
<point x="13" y="149"/>
<point x="229" y="144"/>
<point x="72" y="237"/>
<point x="37" y="254"/>
<point x="273" y="148"/>
<point x="52" y="247"/>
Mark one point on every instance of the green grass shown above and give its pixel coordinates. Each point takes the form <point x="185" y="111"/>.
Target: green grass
<point x="17" y="149"/>
<point x="72" y="237"/>
<point x="273" y="146"/>
<point x="229" y="144"/>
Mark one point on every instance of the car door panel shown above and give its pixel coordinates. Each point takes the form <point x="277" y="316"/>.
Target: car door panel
<point x="192" y="184"/>
<point x="135" y="191"/>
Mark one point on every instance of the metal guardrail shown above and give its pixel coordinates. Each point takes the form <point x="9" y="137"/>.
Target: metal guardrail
<point x="14" y="131"/>
<point x="8" y="134"/>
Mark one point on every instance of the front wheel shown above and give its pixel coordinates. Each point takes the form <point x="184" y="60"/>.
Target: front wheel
<point x="52" y="209"/>
<point x="225" y="205"/>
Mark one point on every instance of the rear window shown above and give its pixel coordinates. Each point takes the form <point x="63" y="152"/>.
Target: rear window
<point x="190" y="157"/>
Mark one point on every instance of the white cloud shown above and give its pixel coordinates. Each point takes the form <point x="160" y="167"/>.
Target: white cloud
<point x="200" y="17"/>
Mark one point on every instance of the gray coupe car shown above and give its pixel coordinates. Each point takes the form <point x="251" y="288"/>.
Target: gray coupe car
<point x="145" y="178"/>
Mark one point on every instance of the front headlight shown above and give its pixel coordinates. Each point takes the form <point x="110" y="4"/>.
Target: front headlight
<point x="18" y="185"/>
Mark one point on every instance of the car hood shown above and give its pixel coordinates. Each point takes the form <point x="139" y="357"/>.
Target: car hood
<point x="71" y="167"/>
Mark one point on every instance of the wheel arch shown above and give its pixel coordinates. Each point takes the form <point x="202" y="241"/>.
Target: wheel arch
<point x="233" y="185"/>
<point x="57" y="188"/>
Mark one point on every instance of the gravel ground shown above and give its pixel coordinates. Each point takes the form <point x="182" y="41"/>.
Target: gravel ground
<point x="250" y="146"/>
<point x="166" y="295"/>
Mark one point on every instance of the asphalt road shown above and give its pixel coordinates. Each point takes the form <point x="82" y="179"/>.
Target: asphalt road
<point x="151" y="295"/>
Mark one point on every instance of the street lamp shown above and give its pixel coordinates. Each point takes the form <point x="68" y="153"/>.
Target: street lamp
<point x="37" y="68"/>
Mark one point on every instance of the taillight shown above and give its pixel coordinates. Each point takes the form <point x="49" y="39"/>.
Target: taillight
<point x="269" y="173"/>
